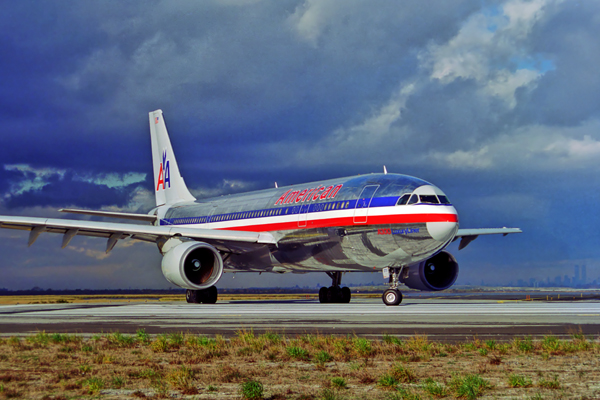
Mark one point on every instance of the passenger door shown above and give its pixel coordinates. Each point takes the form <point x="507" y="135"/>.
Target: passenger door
<point x="361" y="209"/>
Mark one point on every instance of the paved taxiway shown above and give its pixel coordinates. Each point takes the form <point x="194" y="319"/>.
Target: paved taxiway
<point x="441" y="319"/>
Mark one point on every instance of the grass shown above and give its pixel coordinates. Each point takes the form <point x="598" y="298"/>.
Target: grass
<point x="308" y="366"/>
<point x="251" y="390"/>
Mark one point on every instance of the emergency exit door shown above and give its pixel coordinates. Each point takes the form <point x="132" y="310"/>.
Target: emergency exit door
<point x="361" y="210"/>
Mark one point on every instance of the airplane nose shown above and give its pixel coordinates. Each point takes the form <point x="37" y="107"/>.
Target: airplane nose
<point x="442" y="231"/>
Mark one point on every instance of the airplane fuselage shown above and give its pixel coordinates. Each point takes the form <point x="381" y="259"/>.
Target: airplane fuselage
<point x="347" y="224"/>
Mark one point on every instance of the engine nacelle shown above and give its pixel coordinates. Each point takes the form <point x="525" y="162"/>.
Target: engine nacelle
<point x="193" y="265"/>
<point x="436" y="273"/>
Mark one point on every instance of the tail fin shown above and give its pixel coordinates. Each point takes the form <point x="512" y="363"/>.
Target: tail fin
<point x="168" y="184"/>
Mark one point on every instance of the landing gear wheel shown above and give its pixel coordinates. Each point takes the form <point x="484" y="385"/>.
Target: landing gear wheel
<point x="191" y="296"/>
<point x="346" y="295"/>
<point x="323" y="295"/>
<point x="210" y="295"/>
<point x="392" y="297"/>
<point x="332" y="294"/>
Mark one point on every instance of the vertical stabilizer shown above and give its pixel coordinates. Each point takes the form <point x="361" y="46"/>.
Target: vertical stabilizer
<point x="169" y="187"/>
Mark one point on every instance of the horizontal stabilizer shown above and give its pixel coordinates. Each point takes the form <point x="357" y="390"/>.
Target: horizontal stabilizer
<point x="468" y="235"/>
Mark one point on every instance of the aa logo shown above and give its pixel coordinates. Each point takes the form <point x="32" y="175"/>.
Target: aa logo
<point x="164" y="173"/>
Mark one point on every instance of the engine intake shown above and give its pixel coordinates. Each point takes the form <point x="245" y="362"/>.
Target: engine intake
<point x="436" y="273"/>
<point x="193" y="265"/>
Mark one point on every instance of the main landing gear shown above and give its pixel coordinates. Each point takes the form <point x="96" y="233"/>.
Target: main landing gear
<point x="392" y="296"/>
<point x="206" y="296"/>
<point x="334" y="293"/>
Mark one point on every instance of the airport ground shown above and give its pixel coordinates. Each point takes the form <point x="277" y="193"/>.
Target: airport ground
<point x="533" y="345"/>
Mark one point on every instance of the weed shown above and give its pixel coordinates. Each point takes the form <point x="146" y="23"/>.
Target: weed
<point x="515" y="380"/>
<point x="14" y="341"/>
<point x="142" y="336"/>
<point x="387" y="381"/>
<point x="469" y="386"/>
<point x="402" y="374"/>
<point x="363" y="346"/>
<point x="388" y="339"/>
<point x="271" y="337"/>
<point x="434" y="388"/>
<point x="84" y="369"/>
<point x="160" y="387"/>
<point x="537" y="396"/>
<point x="94" y="384"/>
<point x="525" y="344"/>
<point x="212" y="388"/>
<point x="160" y="345"/>
<point x="405" y="394"/>
<point x="491" y="344"/>
<point x="245" y="351"/>
<point x="175" y="340"/>
<point x="40" y="339"/>
<point x="119" y="340"/>
<point x="323" y="357"/>
<point x="86" y="348"/>
<point x="118" y="382"/>
<point x="328" y="394"/>
<point x="182" y="379"/>
<point x="297" y="352"/>
<point x="251" y="389"/>
<point x="339" y="383"/>
<point x="483" y="351"/>
<point x="549" y="384"/>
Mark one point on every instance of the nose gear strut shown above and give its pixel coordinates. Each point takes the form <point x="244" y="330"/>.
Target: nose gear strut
<point x="392" y="296"/>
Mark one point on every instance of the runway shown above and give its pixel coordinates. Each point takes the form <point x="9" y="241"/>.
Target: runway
<point x="439" y="319"/>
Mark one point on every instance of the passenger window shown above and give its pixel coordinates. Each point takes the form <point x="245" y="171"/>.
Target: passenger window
<point x="403" y="200"/>
<point x="443" y="199"/>
<point x="429" y="199"/>
<point x="413" y="199"/>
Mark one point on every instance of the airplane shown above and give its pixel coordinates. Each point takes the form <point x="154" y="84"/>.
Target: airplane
<point x="390" y="223"/>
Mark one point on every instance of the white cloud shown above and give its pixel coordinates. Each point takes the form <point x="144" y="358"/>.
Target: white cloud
<point x="33" y="178"/>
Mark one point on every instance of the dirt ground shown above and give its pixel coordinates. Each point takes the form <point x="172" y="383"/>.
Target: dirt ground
<point x="271" y="366"/>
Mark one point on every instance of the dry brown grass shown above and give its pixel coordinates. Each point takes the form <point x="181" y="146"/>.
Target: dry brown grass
<point x="115" y="366"/>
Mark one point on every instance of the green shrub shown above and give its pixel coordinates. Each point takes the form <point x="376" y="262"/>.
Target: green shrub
<point x="553" y="384"/>
<point x="339" y="383"/>
<point x="142" y="336"/>
<point x="94" y="384"/>
<point x="363" y="347"/>
<point x="388" y="339"/>
<point x="323" y="357"/>
<point x="297" y="352"/>
<point x="403" y="374"/>
<point x="491" y="344"/>
<point x="251" y="390"/>
<point x="434" y="388"/>
<point x="387" y="381"/>
<point x="525" y="345"/>
<point x="469" y="386"/>
<point x="515" y="380"/>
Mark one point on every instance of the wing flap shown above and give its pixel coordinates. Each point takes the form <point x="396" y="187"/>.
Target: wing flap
<point x="111" y="230"/>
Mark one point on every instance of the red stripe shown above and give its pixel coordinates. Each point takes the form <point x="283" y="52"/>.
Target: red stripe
<point x="348" y="221"/>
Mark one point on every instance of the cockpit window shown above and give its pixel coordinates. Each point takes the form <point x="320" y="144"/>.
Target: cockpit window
<point x="429" y="199"/>
<point x="413" y="199"/>
<point x="443" y="199"/>
<point x="403" y="200"/>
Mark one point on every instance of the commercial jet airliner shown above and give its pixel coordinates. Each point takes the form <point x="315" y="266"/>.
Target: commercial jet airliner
<point x="395" y="224"/>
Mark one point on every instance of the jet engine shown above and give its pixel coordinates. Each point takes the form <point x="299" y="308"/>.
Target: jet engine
<point x="193" y="265"/>
<point x="436" y="273"/>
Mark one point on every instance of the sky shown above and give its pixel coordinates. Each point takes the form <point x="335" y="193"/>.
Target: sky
<point x="495" y="102"/>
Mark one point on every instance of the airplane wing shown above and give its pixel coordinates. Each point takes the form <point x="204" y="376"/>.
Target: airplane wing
<point x="468" y="235"/>
<point x="117" y="231"/>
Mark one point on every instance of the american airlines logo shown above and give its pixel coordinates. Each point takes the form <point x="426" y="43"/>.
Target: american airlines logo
<point x="305" y="195"/>
<point x="164" y="173"/>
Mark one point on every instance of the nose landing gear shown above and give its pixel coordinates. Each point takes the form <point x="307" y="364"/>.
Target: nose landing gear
<point x="334" y="293"/>
<point x="392" y="296"/>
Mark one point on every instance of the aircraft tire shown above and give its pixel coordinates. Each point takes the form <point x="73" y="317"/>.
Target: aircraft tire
<point x="392" y="297"/>
<point x="210" y="295"/>
<point x="323" y="295"/>
<point x="191" y="296"/>
<point x="334" y="294"/>
<point x="346" y="295"/>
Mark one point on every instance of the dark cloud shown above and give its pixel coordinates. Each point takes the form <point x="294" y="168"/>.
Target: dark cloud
<point x="495" y="102"/>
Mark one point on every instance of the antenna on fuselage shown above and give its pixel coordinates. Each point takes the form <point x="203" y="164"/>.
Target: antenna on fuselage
<point x="384" y="170"/>
<point x="276" y="185"/>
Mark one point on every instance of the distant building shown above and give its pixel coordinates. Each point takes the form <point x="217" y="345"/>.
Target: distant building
<point x="576" y="277"/>
<point x="583" y="275"/>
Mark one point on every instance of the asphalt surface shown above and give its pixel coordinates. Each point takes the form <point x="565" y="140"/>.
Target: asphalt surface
<point x="439" y="319"/>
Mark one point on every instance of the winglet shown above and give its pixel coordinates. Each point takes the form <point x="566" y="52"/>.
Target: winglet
<point x="169" y="187"/>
